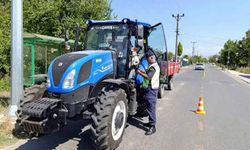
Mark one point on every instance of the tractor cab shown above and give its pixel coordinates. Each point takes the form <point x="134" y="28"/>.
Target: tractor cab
<point x="125" y="38"/>
<point x="112" y="36"/>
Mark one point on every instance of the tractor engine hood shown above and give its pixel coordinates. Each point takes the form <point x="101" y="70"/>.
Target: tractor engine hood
<point x="77" y="69"/>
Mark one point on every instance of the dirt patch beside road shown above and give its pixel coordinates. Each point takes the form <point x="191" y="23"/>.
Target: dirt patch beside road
<point x="6" y="137"/>
<point x="6" y="124"/>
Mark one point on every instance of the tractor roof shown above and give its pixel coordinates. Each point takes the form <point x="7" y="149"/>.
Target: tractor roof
<point x="125" y="20"/>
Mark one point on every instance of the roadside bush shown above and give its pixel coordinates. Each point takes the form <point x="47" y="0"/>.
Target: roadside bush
<point x="244" y="70"/>
<point x="4" y="93"/>
<point x="5" y="84"/>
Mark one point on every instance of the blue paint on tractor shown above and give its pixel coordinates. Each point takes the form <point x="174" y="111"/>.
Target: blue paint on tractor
<point x="112" y="22"/>
<point x="102" y="65"/>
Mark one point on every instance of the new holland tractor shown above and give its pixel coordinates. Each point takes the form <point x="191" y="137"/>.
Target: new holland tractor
<point x="96" y="80"/>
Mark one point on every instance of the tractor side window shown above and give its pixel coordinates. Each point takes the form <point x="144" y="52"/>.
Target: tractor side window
<point x="156" y="40"/>
<point x="141" y="52"/>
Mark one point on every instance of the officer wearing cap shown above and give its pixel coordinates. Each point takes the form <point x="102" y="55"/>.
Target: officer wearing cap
<point x="151" y="85"/>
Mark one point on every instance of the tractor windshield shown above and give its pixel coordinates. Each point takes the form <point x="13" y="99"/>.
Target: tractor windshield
<point x="108" y="37"/>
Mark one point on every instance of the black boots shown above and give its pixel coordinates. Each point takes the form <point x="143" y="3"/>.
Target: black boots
<point x="151" y="130"/>
<point x="147" y="124"/>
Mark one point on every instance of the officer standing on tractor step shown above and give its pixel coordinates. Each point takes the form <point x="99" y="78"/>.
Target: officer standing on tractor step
<point x="151" y="85"/>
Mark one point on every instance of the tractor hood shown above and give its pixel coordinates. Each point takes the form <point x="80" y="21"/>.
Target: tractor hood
<point x="74" y="70"/>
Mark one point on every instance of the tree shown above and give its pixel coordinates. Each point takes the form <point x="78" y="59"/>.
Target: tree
<point x="213" y="59"/>
<point x="49" y="17"/>
<point x="5" y="38"/>
<point x="236" y="53"/>
<point x="180" y="49"/>
<point x="186" y="60"/>
<point x="170" y="56"/>
<point x="186" y="57"/>
<point x="198" y="59"/>
<point x="244" y="50"/>
<point x="228" y="55"/>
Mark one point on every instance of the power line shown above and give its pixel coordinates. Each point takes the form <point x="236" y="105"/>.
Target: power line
<point x="178" y="18"/>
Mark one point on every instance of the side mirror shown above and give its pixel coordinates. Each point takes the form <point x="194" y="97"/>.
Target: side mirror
<point x="140" y="36"/>
<point x="140" y="32"/>
<point x="140" y="43"/>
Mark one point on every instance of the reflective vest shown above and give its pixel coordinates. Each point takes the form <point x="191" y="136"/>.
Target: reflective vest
<point x="155" y="80"/>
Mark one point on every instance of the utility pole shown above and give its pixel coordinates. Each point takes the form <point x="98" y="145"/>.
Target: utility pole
<point x="178" y="18"/>
<point x="193" y="51"/>
<point x="16" y="55"/>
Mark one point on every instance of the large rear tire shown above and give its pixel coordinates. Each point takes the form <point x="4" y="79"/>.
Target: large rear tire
<point x="171" y="84"/>
<point x="109" y="119"/>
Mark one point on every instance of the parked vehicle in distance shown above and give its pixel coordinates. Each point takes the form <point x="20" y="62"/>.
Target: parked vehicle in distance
<point x="199" y="66"/>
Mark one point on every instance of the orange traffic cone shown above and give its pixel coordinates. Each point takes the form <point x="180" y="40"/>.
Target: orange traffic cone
<point x="200" y="110"/>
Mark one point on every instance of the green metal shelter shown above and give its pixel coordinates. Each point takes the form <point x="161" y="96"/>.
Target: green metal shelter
<point x="39" y="51"/>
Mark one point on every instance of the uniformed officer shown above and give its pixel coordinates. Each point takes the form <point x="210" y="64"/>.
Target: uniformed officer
<point x="151" y="85"/>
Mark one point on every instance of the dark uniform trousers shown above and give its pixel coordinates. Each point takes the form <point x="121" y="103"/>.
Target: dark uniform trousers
<point x="151" y="97"/>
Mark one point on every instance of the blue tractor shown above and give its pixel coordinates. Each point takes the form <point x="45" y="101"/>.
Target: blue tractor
<point x="95" y="80"/>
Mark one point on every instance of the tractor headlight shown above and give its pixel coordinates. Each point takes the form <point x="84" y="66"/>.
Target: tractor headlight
<point x="69" y="80"/>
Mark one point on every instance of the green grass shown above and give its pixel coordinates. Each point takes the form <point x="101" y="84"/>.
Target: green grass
<point x="244" y="70"/>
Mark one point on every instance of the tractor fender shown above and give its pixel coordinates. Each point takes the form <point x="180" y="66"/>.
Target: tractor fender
<point x="120" y="83"/>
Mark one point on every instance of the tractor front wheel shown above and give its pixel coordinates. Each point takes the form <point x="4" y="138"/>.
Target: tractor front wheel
<point x="32" y="93"/>
<point x="109" y="119"/>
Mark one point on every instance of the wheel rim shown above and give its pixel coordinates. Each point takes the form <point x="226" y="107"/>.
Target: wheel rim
<point x="118" y="120"/>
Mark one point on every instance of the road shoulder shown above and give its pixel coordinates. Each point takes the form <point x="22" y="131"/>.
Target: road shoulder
<point x="244" y="77"/>
<point x="239" y="77"/>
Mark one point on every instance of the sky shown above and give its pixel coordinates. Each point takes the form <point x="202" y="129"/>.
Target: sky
<point x="208" y="22"/>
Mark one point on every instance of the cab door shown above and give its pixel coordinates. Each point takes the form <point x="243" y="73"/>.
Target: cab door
<point x="157" y="41"/>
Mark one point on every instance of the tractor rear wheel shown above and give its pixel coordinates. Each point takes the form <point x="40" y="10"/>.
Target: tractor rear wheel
<point x="109" y="119"/>
<point x="171" y="84"/>
<point x="161" y="91"/>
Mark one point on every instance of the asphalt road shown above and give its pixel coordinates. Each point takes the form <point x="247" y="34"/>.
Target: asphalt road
<point x="226" y="126"/>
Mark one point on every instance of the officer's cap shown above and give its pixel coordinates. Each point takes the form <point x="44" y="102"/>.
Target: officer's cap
<point x="149" y="53"/>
